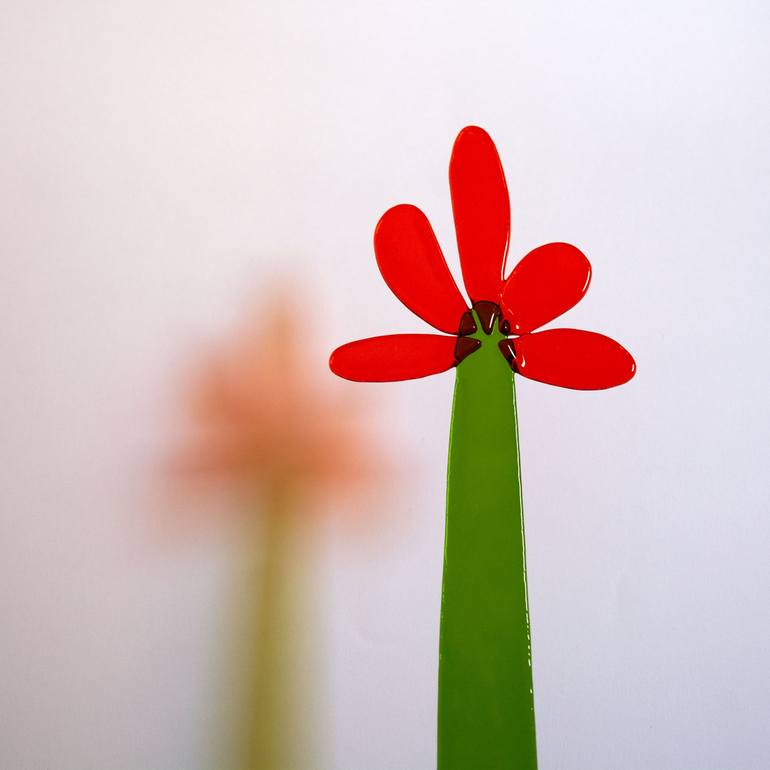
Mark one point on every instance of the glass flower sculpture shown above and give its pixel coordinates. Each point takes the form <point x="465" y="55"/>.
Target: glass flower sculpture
<point x="485" y="706"/>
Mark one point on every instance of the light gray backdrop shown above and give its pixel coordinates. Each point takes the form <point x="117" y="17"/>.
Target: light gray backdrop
<point x="158" y="157"/>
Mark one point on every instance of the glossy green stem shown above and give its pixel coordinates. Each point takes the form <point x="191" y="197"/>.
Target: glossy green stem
<point x="486" y="718"/>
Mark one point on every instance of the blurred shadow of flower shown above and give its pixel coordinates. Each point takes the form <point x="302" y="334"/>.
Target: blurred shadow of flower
<point x="264" y="431"/>
<point x="261" y="423"/>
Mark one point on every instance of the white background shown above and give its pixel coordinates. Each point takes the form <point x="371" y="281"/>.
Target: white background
<point x="157" y="158"/>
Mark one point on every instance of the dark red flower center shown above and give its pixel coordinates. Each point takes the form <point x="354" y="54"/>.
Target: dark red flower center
<point x="482" y="316"/>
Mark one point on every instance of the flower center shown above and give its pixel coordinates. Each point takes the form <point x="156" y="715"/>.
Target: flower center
<point x="477" y="326"/>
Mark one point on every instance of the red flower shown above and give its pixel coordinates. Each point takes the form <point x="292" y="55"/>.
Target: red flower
<point x="544" y="284"/>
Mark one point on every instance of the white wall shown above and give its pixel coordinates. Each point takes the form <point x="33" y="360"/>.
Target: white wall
<point x="158" y="157"/>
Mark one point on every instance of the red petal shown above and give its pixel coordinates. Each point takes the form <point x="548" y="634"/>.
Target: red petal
<point x="394" y="357"/>
<point x="546" y="283"/>
<point x="412" y="264"/>
<point x="573" y="358"/>
<point x="482" y="212"/>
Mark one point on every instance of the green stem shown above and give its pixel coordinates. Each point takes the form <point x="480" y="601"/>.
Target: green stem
<point x="486" y="717"/>
<point x="270" y="655"/>
<point x="264" y="744"/>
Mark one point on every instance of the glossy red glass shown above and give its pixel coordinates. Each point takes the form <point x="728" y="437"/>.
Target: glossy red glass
<point x="481" y="212"/>
<point x="572" y="358"/>
<point x="412" y="264"/>
<point x="547" y="282"/>
<point x="544" y="284"/>
<point x="394" y="357"/>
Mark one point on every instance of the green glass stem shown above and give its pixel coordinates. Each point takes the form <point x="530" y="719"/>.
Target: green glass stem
<point x="486" y="717"/>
